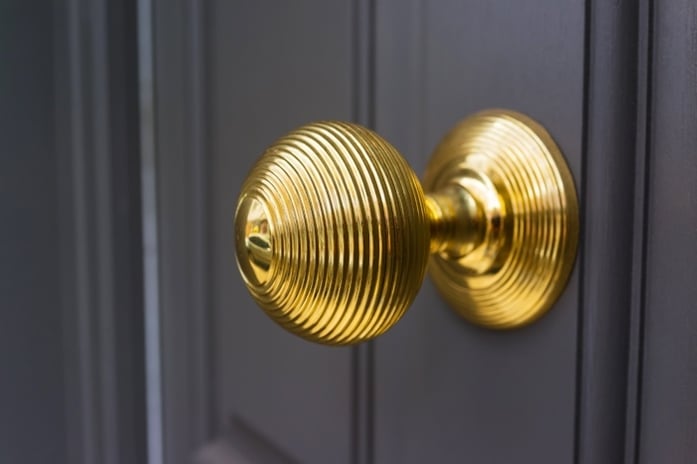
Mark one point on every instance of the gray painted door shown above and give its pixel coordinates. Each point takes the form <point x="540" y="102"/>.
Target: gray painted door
<point x="230" y="77"/>
<point x="128" y="337"/>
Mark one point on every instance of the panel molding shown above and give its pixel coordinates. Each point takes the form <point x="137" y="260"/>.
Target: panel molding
<point x="640" y="224"/>
<point x="101" y="274"/>
<point x="607" y="193"/>
<point x="663" y="402"/>
<point x="185" y="317"/>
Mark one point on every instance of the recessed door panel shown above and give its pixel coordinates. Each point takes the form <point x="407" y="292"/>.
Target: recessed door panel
<point x="447" y="391"/>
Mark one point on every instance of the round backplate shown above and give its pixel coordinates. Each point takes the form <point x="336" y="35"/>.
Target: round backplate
<point x="516" y="172"/>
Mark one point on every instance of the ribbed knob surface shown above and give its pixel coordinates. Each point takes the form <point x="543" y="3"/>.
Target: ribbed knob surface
<point x="331" y="232"/>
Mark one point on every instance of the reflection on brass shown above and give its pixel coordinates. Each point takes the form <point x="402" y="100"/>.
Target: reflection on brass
<point x="334" y="232"/>
<point x="256" y="246"/>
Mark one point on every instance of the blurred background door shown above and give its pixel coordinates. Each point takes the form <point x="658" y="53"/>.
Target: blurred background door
<point x="128" y="336"/>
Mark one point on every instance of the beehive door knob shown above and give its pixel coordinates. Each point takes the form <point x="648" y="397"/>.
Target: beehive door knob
<point x="334" y="231"/>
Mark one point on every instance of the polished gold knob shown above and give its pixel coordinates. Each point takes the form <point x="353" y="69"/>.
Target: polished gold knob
<point x="334" y="232"/>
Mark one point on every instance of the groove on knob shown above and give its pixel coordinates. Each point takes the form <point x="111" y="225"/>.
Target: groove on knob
<point x="332" y="234"/>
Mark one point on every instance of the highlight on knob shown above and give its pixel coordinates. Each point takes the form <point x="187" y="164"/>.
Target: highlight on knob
<point x="331" y="233"/>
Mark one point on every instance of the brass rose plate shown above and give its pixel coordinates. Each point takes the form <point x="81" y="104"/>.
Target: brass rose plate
<point x="334" y="232"/>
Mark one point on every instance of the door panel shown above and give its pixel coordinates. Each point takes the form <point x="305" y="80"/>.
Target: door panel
<point x="273" y="67"/>
<point x="435" y="388"/>
<point x="608" y="376"/>
<point x="446" y="390"/>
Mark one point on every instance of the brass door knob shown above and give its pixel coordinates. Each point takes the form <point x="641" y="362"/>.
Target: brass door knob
<point x="334" y="231"/>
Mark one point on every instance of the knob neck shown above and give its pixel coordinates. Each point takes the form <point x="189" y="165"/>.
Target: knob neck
<point x="466" y="222"/>
<point x="456" y="221"/>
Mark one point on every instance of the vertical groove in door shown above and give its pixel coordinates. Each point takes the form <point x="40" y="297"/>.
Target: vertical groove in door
<point x="607" y="202"/>
<point x="151" y="295"/>
<point x="203" y="354"/>
<point x="587" y="31"/>
<point x="84" y="431"/>
<point x="639" y="268"/>
<point x="183" y="315"/>
<point x="103" y="269"/>
<point x="363" y="112"/>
